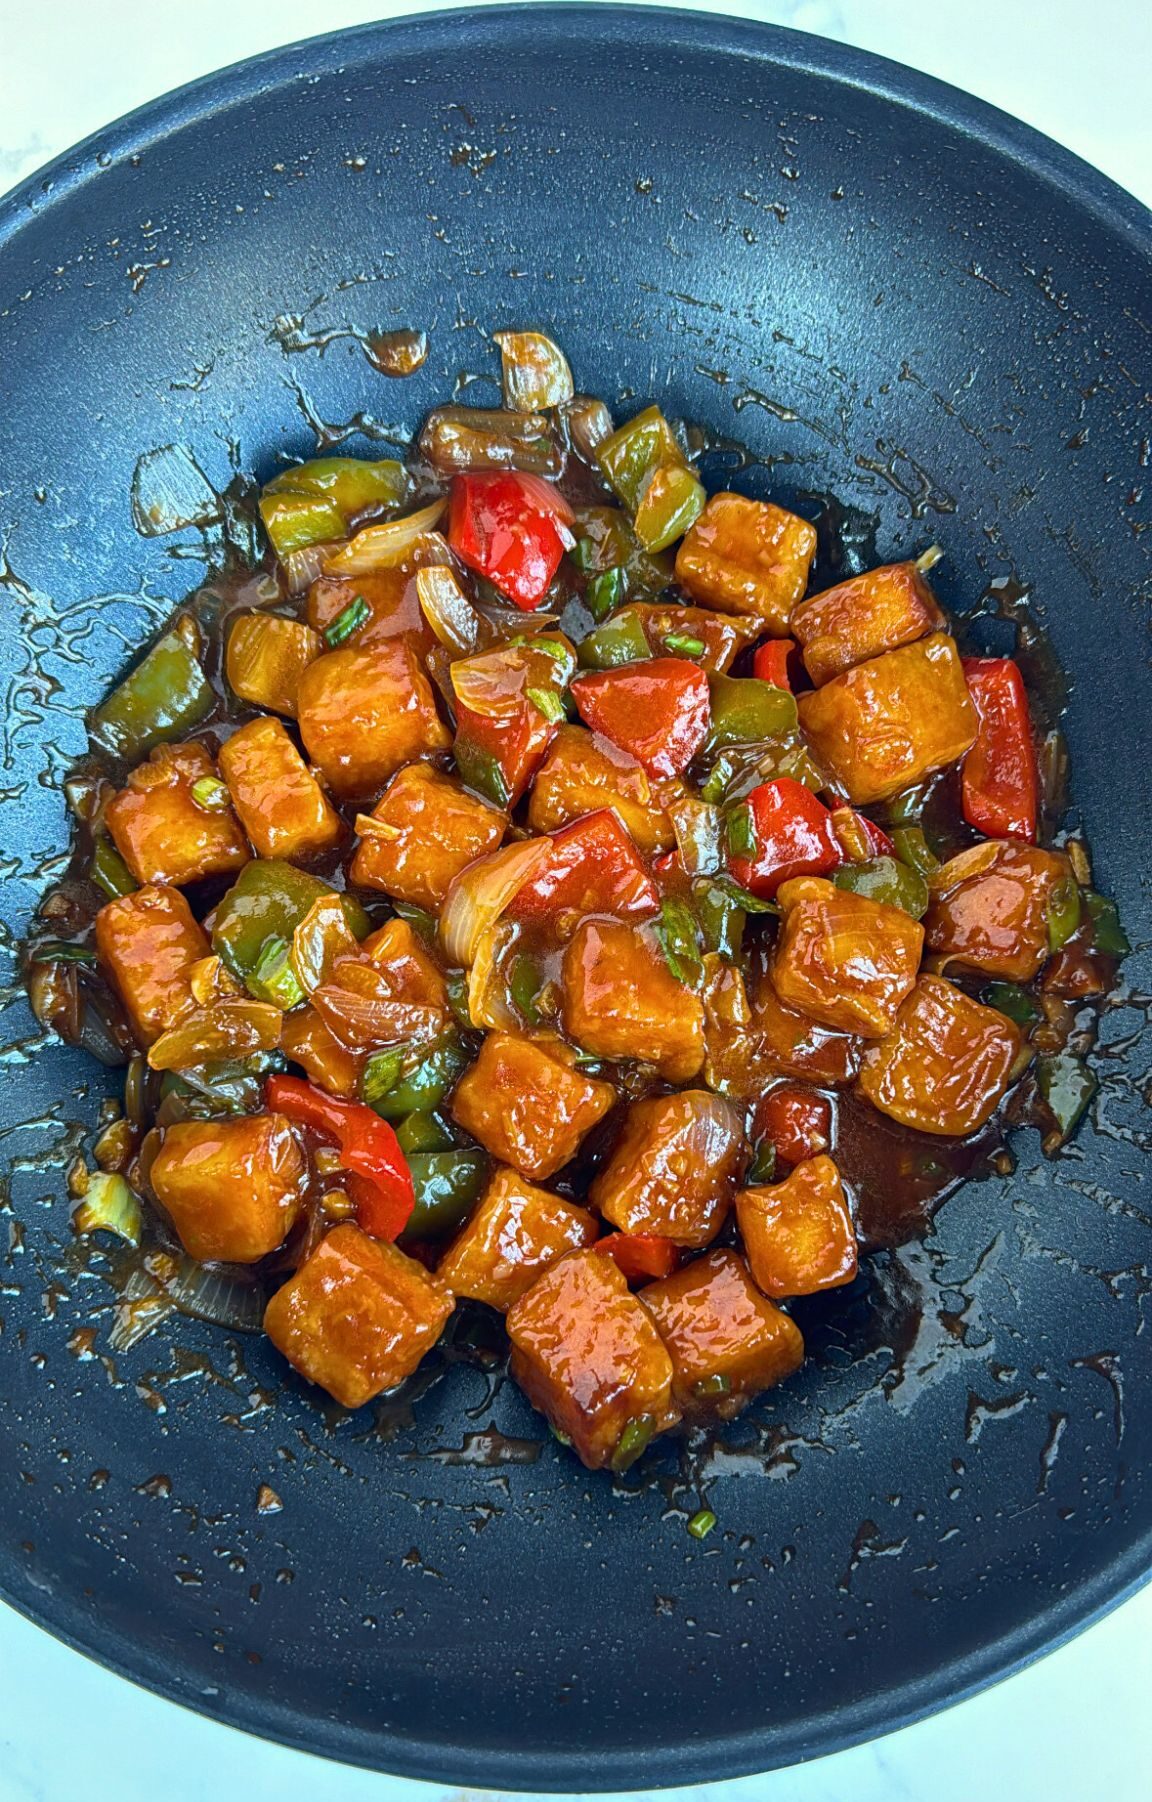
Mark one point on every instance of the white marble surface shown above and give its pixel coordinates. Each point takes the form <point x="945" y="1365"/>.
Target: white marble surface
<point x="1073" y="1728"/>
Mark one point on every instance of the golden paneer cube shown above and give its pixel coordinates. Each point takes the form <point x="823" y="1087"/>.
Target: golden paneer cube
<point x="307" y="1041"/>
<point x="147" y="943"/>
<point x="622" y="1001"/>
<point x="527" y="1104"/>
<point x="798" y="1234"/>
<point x="989" y="909"/>
<point x="675" y="1167"/>
<point x="583" y="772"/>
<point x="843" y="959"/>
<point x="945" y="1065"/>
<point x="516" y="1232"/>
<point x="747" y="557"/>
<point x="283" y="809"/>
<point x="266" y="657"/>
<point x="358" y="1316"/>
<point x="390" y="596"/>
<point x="364" y="713"/>
<point x="886" y="724"/>
<point x="173" y="822"/>
<point x="232" y="1188"/>
<point x="423" y="831"/>
<point x="726" y="1340"/>
<point x="861" y="618"/>
<point x="585" y="1352"/>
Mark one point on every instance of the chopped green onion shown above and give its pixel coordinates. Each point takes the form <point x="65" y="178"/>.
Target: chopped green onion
<point x="273" y="978"/>
<point x="479" y="770"/>
<point x="1010" y="999"/>
<point x="63" y="951"/>
<point x="741" y="832"/>
<point x="456" y="983"/>
<point x="210" y="794"/>
<point x="679" y="937"/>
<point x="1063" y="912"/>
<point x="751" y="904"/>
<point x="716" y="1384"/>
<point x="547" y="702"/>
<point x="348" y="620"/>
<point x="605" y="593"/>
<point x="524" y="983"/>
<point x="381" y="1074"/>
<point x="702" y="1523"/>
<point x="906" y="809"/>
<point x="682" y="644"/>
<point x="109" y="1206"/>
<point x="632" y="1441"/>
<point x="1107" y="933"/>
<point x="109" y="871"/>
<point x="762" y="1169"/>
<point x="560" y="1438"/>
<point x="583" y="554"/>
<point x="721" y="917"/>
<point x="1067" y="1085"/>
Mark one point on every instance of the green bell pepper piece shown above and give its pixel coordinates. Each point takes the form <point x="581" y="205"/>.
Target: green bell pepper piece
<point x="162" y="698"/>
<point x="746" y="711"/>
<point x="628" y="457"/>
<point x="721" y="918"/>
<point x="886" y="879"/>
<point x="605" y="592"/>
<point x="621" y="639"/>
<point x="679" y="938"/>
<point x="605" y="541"/>
<point x="423" y="1132"/>
<point x="109" y="871"/>
<point x="1063" y="912"/>
<point x="1009" y="998"/>
<point x="268" y="900"/>
<point x="294" y="521"/>
<point x="1067" y="1085"/>
<point x="422" y="1088"/>
<point x="350" y="483"/>
<point x="762" y="1169"/>
<point x="480" y="771"/>
<point x="673" y="500"/>
<point x="448" y="1186"/>
<point x="913" y="849"/>
<point x="1107" y="933"/>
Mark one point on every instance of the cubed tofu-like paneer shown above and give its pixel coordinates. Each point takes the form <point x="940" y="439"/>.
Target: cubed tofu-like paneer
<point x="747" y="557"/>
<point x="358" y="1316"/>
<point x="428" y="828"/>
<point x="798" y="1234"/>
<point x="391" y="599"/>
<point x="283" y="809"/>
<point x="516" y="1232"/>
<point x="886" y="724"/>
<point x="147" y="942"/>
<point x="364" y="713"/>
<point x="945" y="1065"/>
<point x="989" y="909"/>
<point x="726" y="1340"/>
<point x="863" y="617"/>
<point x="584" y="771"/>
<point x="622" y="1001"/>
<point x="266" y="657"/>
<point x="325" y="1061"/>
<point x="173" y="822"/>
<point x="843" y="959"/>
<point x="232" y="1188"/>
<point x="527" y="1104"/>
<point x="585" y="1352"/>
<point x="391" y="992"/>
<point x="793" y="1044"/>
<point x="674" y="1169"/>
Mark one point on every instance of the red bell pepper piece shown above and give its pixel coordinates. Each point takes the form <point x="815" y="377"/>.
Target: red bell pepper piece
<point x="379" y="1180"/>
<point x="792" y="833"/>
<point x="770" y="662"/>
<point x="999" y="785"/>
<point x="512" y="529"/>
<point x="593" y="867"/>
<point x="511" y="746"/>
<point x="795" y="1119"/>
<point x="658" y="710"/>
<point x="641" y="1256"/>
<point x="859" y="837"/>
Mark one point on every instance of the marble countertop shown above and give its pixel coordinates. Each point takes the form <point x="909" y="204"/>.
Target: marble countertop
<point x="1077" y="1724"/>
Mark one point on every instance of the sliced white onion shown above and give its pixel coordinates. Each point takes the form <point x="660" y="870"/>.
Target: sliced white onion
<point x="699" y="830"/>
<point x="482" y="891"/>
<point x="225" y="1029"/>
<point x="491" y="685"/>
<point x="589" y="423"/>
<point x="535" y="372"/>
<point x="208" y="1292"/>
<point x="384" y="546"/>
<point x="448" y="610"/>
<point x="321" y="937"/>
<point x="302" y="568"/>
<point x="975" y="861"/>
<point x="489" y="1003"/>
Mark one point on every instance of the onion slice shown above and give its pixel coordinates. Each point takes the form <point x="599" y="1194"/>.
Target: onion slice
<point x="535" y="372"/>
<point x="384" y="546"/>
<point x="322" y="936"/>
<point x="482" y="892"/>
<point x="448" y="610"/>
<point x="226" y="1029"/>
<point x="303" y="567"/>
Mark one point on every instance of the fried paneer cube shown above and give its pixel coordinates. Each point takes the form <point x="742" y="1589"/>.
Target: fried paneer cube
<point x="989" y="909"/>
<point x="798" y="1234"/>
<point x="674" y="1169"/>
<point x="843" y="959"/>
<point x="267" y="656"/>
<point x="863" y="617"/>
<point x="587" y="1355"/>
<point x="886" y="724"/>
<point x="526" y="1103"/>
<point x="583" y="772"/>
<point x="147" y="942"/>
<point x="516" y="1232"/>
<point x="622" y="1001"/>
<point x="793" y="1044"/>
<point x="747" y="557"/>
<point x="945" y="1065"/>
<point x="283" y="809"/>
<point x="421" y="834"/>
<point x="232" y="1188"/>
<point x="726" y="1340"/>
<point x="364" y="713"/>
<point x="358" y="1316"/>
<point x="172" y="821"/>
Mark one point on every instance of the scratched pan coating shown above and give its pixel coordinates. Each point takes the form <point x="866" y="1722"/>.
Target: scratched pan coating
<point x="892" y="294"/>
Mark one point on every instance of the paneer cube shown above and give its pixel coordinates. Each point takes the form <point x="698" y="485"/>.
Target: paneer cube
<point x="307" y="1041"/>
<point x="886" y="724"/>
<point x="284" y="810"/>
<point x="364" y="713"/>
<point x="232" y="1188"/>
<point x="584" y="771"/>
<point x="793" y="1044"/>
<point x="945" y="1065"/>
<point x="726" y="1340"/>
<point x="266" y="657"/>
<point x="585" y="1352"/>
<point x="428" y="828"/>
<point x="173" y="823"/>
<point x="390" y="597"/>
<point x="147" y="943"/>
<point x="516" y="1232"/>
<point x="674" y="1169"/>
<point x="989" y="909"/>
<point x="622" y="1001"/>
<point x="358" y="1316"/>
<point x="527" y="1105"/>
<point x="843" y="959"/>
<point x="747" y="557"/>
<point x="861" y="618"/>
<point x="798" y="1234"/>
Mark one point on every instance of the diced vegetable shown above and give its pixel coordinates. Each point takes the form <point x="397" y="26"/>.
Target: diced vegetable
<point x="795" y="1120"/>
<point x="447" y="1186"/>
<point x="317" y="501"/>
<point x="798" y="1234"/>
<point x="307" y="1041"/>
<point x="268" y="901"/>
<point x="780" y="832"/>
<point x="702" y="1523"/>
<point x="516" y="1232"/>
<point x="748" y="711"/>
<point x="265" y="658"/>
<point x="1000" y="786"/>
<point x="679" y="937"/>
<point x="527" y="1104"/>
<point x="502" y="735"/>
<point x="913" y="849"/>
<point x="726" y="1341"/>
<point x="475" y="438"/>
<point x="592" y="867"/>
<point x="295" y="521"/>
<point x="863" y="617"/>
<point x="640" y="1256"/>
<point x="604" y="592"/>
<point x="108" y="1205"/>
<point x="845" y="960"/>
<point x="1108" y="934"/>
<point x="281" y="805"/>
<point x="622" y="1001"/>
<point x="535" y="372"/>
<point x="226" y="1028"/>
<point x="658" y="712"/>
<point x="424" y="1135"/>
<point x="166" y="695"/>
<point x="379" y="1180"/>
<point x="635" y="451"/>
<point x="888" y="880"/>
<point x="674" y="1169"/>
<point x="1068" y="1086"/>
<point x="945" y="1065"/>
<point x="421" y="1086"/>
<point x="512" y="529"/>
<point x="1063" y="911"/>
<point x="748" y="557"/>
<point x="483" y="892"/>
<point x="109" y="871"/>
<point x="620" y="640"/>
<point x="1009" y="998"/>
<point x="606" y="541"/>
<point x="671" y="502"/>
<point x="386" y="547"/>
<point x="770" y="662"/>
<point x="231" y="1188"/>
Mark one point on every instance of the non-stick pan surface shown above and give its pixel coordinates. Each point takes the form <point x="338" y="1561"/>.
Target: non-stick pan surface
<point x="893" y="295"/>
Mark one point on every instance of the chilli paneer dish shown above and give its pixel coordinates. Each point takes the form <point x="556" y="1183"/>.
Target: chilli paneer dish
<point x="529" y="888"/>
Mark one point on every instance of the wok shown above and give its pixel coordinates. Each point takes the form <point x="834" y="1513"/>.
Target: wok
<point x="894" y="296"/>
